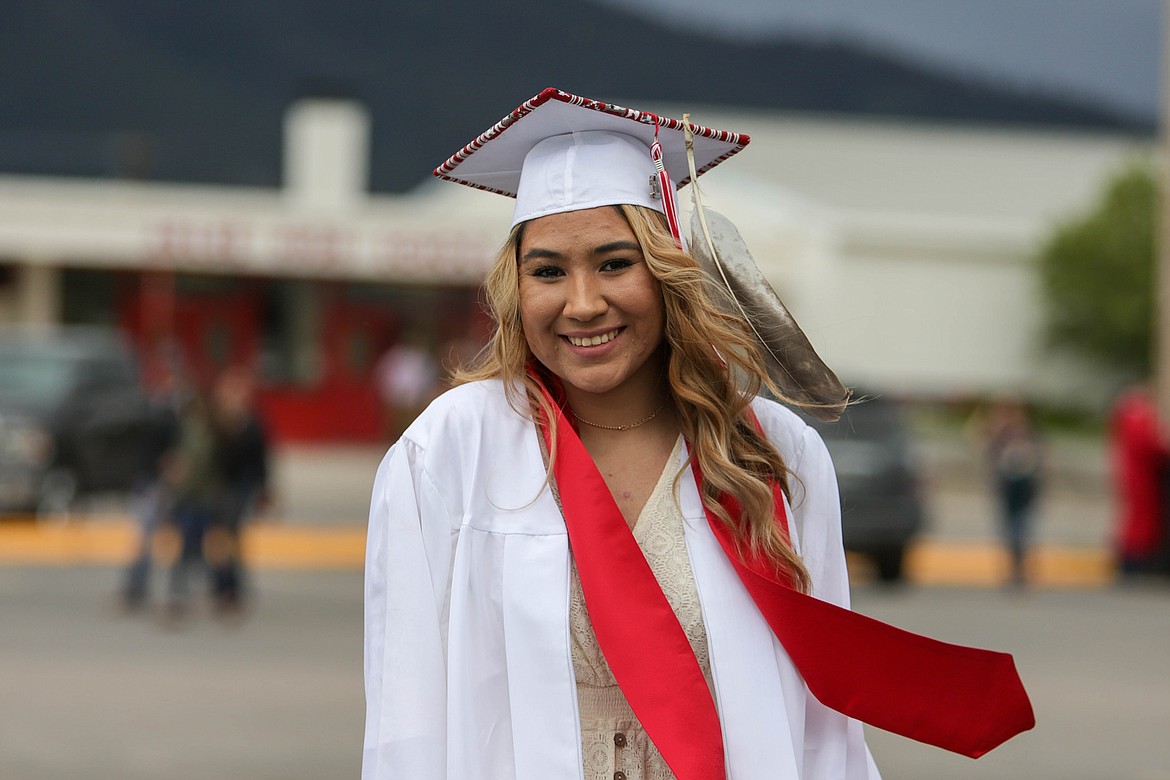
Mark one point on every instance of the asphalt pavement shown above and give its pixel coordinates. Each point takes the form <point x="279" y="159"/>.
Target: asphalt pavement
<point x="89" y="691"/>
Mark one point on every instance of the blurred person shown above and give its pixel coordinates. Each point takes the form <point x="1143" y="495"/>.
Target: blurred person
<point x="406" y="377"/>
<point x="1140" y="452"/>
<point x="1015" y="454"/>
<point x="152" y="495"/>
<point x="240" y="457"/>
<point x="197" y="488"/>
<point x="603" y="554"/>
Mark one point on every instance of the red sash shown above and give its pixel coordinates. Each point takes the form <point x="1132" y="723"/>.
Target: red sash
<point x="959" y="698"/>
<point x="635" y="625"/>
<point x="963" y="699"/>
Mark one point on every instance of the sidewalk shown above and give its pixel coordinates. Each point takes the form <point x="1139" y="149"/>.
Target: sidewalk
<point x="324" y="485"/>
<point x="322" y="499"/>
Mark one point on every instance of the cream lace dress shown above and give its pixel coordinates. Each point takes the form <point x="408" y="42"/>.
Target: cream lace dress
<point x="614" y="744"/>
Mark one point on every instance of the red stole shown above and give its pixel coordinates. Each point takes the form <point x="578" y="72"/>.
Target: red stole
<point x="959" y="698"/>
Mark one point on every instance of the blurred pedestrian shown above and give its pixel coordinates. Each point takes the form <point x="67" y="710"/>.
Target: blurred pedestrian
<point x="152" y="496"/>
<point x="1140" y="454"/>
<point x="407" y="379"/>
<point x="197" y="488"/>
<point x="1015" y="454"/>
<point x="240" y="454"/>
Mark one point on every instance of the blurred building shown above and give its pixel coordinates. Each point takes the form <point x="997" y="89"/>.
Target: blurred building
<point x="904" y="249"/>
<point x="309" y="284"/>
<point x="908" y="250"/>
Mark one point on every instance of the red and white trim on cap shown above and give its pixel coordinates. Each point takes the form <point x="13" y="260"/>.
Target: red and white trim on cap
<point x="551" y="95"/>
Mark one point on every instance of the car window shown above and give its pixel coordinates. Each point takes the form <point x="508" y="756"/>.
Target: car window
<point x="107" y="373"/>
<point x="33" y="378"/>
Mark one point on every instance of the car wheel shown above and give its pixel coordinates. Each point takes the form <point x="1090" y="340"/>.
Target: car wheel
<point x="58" y="492"/>
<point x="889" y="564"/>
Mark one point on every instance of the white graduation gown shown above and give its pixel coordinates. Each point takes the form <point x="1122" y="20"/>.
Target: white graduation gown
<point x="467" y="652"/>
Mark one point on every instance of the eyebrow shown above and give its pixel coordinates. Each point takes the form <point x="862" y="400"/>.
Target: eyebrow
<point x="616" y="245"/>
<point x="538" y="253"/>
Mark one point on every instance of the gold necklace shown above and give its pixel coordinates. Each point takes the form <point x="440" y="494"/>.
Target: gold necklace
<point x="643" y="421"/>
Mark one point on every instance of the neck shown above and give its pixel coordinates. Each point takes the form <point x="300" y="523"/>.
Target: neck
<point x="618" y="417"/>
<point x="623" y="407"/>
<point x="624" y="426"/>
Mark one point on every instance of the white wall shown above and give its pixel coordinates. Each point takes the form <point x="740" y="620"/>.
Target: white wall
<point x="908" y="252"/>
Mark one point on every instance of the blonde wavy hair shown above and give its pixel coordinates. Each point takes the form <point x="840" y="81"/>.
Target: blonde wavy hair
<point x="710" y="390"/>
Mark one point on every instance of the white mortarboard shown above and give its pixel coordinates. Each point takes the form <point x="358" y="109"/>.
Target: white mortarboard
<point x="560" y="152"/>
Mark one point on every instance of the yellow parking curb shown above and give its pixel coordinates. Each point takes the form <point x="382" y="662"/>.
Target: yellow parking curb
<point x="53" y="542"/>
<point x="111" y="540"/>
<point x="988" y="564"/>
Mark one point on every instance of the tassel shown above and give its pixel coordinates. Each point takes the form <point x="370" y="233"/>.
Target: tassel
<point x="666" y="190"/>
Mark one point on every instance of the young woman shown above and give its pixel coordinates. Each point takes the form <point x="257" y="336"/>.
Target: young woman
<point x="574" y="556"/>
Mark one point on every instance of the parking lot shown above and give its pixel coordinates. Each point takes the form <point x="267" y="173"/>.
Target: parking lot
<point x="89" y="691"/>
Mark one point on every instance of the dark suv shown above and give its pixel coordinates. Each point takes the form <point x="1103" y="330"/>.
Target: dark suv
<point x="881" y="501"/>
<point x="73" y="418"/>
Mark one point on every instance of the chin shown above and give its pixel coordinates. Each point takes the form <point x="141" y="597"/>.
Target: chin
<point x="592" y="388"/>
<point x="591" y="385"/>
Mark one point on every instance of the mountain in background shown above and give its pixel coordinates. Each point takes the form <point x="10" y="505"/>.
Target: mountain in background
<point x="181" y="91"/>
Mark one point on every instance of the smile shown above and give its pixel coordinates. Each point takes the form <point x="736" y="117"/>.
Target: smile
<point x="593" y="341"/>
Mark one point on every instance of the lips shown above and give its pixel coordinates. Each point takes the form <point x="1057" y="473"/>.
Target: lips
<point x="593" y="341"/>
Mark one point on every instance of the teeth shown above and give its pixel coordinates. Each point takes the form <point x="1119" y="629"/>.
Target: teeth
<point x="592" y="341"/>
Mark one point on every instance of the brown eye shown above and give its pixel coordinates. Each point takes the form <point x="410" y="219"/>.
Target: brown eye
<point x="616" y="264"/>
<point x="546" y="272"/>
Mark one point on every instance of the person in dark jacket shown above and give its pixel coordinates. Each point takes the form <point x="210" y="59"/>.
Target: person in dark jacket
<point x="1016" y="455"/>
<point x="240" y="455"/>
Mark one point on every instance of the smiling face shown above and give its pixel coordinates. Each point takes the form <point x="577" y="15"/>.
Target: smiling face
<point x="592" y="312"/>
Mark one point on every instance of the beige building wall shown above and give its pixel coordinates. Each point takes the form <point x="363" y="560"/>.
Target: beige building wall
<point x="31" y="294"/>
<point x="908" y="251"/>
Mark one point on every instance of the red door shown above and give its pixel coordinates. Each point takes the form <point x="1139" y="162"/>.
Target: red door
<point x="354" y="337"/>
<point x="215" y="330"/>
<point x="343" y="404"/>
<point x="196" y="326"/>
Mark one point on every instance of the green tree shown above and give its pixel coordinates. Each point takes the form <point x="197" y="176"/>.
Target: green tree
<point x="1097" y="273"/>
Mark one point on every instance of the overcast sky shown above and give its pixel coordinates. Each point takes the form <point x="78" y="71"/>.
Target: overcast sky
<point x="1108" y="50"/>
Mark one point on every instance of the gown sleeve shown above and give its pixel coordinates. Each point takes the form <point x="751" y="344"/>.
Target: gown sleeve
<point x="408" y="562"/>
<point x="817" y="514"/>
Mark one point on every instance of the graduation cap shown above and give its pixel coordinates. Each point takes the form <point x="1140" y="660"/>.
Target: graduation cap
<point x="560" y="152"/>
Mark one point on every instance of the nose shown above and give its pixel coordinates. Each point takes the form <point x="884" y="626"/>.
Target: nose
<point x="584" y="300"/>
